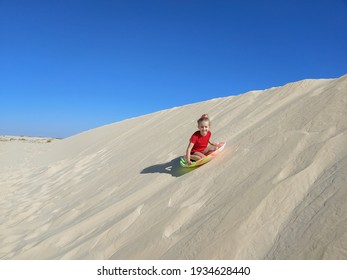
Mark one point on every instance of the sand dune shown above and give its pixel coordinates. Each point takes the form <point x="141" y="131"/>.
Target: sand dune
<point x="278" y="190"/>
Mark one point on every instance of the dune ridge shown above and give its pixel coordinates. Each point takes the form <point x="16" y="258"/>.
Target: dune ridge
<point x="278" y="190"/>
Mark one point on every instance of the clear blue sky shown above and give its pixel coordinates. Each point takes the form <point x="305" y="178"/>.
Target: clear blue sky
<point x="71" y="65"/>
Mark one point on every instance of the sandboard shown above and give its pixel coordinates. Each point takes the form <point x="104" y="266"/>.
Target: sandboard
<point x="203" y="160"/>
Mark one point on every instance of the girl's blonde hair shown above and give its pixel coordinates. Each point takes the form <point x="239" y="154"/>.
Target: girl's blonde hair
<point x="203" y="118"/>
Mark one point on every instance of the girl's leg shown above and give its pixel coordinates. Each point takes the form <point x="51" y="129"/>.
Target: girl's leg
<point x="197" y="156"/>
<point x="209" y="150"/>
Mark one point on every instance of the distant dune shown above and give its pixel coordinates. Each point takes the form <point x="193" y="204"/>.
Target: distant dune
<point x="277" y="191"/>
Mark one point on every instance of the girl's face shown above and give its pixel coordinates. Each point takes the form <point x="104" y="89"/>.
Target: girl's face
<point x="204" y="127"/>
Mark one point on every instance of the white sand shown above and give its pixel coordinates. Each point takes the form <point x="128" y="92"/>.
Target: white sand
<point x="278" y="190"/>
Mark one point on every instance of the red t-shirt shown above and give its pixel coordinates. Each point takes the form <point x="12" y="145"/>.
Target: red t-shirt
<point x="200" y="142"/>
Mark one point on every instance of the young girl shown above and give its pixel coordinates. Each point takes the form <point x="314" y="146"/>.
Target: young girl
<point x="198" y="144"/>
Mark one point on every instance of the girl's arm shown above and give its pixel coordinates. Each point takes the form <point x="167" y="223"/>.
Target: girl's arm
<point x="214" y="144"/>
<point x="189" y="149"/>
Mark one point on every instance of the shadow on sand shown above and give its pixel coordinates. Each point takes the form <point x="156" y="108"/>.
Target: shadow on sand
<point x="173" y="168"/>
